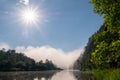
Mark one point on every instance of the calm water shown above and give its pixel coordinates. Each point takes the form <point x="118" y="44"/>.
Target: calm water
<point x="47" y="75"/>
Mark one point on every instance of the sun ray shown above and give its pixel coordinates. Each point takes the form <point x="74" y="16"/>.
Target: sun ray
<point x="29" y="16"/>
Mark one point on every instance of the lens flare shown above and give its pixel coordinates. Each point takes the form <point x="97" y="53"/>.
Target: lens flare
<point x="29" y="16"/>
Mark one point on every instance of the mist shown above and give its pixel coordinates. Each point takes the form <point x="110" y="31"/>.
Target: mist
<point x="59" y="57"/>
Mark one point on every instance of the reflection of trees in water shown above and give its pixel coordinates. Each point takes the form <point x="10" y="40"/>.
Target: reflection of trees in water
<point x="47" y="75"/>
<point x="83" y="75"/>
<point x="27" y="75"/>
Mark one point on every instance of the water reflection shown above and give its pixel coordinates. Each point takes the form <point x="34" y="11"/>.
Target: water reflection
<point x="47" y="75"/>
<point x="64" y="75"/>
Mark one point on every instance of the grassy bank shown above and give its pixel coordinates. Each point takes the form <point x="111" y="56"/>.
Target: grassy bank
<point x="108" y="74"/>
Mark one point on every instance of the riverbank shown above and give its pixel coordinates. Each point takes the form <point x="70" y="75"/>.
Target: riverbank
<point x="107" y="74"/>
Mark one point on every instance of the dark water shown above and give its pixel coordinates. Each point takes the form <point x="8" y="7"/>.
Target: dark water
<point x="47" y="75"/>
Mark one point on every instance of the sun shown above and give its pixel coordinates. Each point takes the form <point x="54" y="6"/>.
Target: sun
<point x="29" y="16"/>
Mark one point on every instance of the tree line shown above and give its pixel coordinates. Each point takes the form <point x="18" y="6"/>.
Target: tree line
<point x="103" y="48"/>
<point x="12" y="61"/>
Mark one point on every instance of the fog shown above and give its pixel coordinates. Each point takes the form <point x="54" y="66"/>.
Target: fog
<point x="58" y="56"/>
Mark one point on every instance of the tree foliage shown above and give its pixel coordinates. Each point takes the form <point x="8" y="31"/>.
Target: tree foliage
<point x="83" y="62"/>
<point x="110" y="9"/>
<point x="107" y="41"/>
<point x="12" y="61"/>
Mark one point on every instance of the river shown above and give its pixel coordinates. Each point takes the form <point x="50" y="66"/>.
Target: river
<point x="47" y="75"/>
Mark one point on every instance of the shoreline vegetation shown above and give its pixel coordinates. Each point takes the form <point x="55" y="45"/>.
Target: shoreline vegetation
<point x="107" y="74"/>
<point x="12" y="61"/>
<point x="102" y="52"/>
<point x="103" y="48"/>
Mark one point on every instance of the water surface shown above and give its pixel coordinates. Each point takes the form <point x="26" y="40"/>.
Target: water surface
<point x="47" y="75"/>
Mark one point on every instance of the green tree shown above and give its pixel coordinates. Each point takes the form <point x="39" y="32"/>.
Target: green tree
<point x="107" y="51"/>
<point x="110" y="9"/>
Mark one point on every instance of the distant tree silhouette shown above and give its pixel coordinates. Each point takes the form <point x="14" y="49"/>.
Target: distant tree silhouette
<point x="12" y="61"/>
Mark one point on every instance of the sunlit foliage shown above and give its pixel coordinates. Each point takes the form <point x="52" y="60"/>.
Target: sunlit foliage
<point x="107" y="41"/>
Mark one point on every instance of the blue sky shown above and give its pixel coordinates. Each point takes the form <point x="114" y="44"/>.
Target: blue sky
<point x="66" y="24"/>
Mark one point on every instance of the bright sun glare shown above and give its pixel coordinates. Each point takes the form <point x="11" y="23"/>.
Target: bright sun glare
<point x="29" y="16"/>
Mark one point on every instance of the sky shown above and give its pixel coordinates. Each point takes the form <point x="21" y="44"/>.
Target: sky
<point x="60" y="31"/>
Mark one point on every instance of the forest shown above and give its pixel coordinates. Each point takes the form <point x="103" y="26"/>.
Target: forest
<point x="10" y="60"/>
<point x="103" y="48"/>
